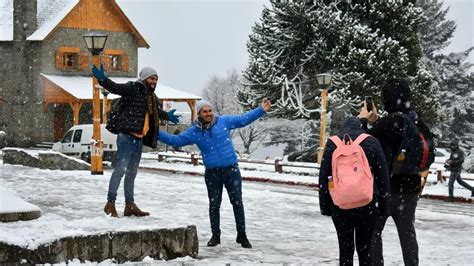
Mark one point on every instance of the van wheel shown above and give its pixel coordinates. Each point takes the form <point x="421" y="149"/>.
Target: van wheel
<point x="86" y="157"/>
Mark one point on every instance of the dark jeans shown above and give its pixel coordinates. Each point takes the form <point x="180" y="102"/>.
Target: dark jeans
<point x="360" y="221"/>
<point x="402" y="209"/>
<point x="456" y="176"/>
<point x="216" y="179"/>
<point x="129" y="153"/>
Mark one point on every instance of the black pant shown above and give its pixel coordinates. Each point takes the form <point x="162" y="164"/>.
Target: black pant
<point x="360" y="221"/>
<point x="230" y="178"/>
<point x="456" y="176"/>
<point x="402" y="209"/>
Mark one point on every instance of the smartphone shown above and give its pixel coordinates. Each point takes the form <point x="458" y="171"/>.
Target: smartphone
<point x="370" y="103"/>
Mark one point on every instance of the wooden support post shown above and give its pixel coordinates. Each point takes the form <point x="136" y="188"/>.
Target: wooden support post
<point x="439" y="176"/>
<point x="192" y="106"/>
<point x="76" y="108"/>
<point x="194" y="159"/>
<point x="278" y="166"/>
<point x="161" y="157"/>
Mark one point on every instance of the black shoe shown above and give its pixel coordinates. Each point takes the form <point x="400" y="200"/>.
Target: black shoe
<point x="449" y="199"/>
<point x="472" y="194"/>
<point x="242" y="240"/>
<point x="214" y="241"/>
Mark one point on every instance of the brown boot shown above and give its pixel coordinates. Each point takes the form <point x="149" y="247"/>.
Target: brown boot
<point x="109" y="209"/>
<point x="132" y="209"/>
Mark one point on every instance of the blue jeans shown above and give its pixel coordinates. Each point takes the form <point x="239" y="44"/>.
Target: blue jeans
<point x="456" y="176"/>
<point x="402" y="209"/>
<point x="129" y="153"/>
<point x="216" y="179"/>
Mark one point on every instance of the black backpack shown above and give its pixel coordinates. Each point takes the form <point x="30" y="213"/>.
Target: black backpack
<point x="416" y="152"/>
<point x="113" y="117"/>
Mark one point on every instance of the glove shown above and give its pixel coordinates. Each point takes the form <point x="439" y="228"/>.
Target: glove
<point x="99" y="74"/>
<point x="172" y="117"/>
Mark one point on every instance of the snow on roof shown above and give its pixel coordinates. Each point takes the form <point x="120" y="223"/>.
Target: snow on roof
<point x="6" y="20"/>
<point x="80" y="87"/>
<point x="49" y="14"/>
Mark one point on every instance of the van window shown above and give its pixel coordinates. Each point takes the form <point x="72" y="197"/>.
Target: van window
<point x="77" y="136"/>
<point x="67" y="138"/>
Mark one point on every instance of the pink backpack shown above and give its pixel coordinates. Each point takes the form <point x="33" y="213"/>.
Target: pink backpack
<point x="353" y="183"/>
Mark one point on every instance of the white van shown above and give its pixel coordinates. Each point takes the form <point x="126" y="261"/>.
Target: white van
<point x="76" y="142"/>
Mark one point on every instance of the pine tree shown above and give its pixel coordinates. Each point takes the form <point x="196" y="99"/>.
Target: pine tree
<point x="364" y="44"/>
<point x="294" y="42"/>
<point x="452" y="75"/>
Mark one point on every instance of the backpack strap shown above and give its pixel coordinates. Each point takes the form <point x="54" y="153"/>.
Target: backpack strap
<point x="336" y="141"/>
<point x="361" y="138"/>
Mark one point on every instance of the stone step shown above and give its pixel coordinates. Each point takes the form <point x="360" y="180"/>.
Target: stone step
<point x="164" y="244"/>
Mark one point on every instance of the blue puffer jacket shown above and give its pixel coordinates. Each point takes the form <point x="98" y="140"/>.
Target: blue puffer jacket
<point x="215" y="142"/>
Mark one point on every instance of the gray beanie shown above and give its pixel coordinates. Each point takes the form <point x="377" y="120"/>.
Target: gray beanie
<point x="147" y="72"/>
<point x="201" y="104"/>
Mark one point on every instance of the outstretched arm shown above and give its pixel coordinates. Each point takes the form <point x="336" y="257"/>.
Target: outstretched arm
<point x="237" y="121"/>
<point x="183" y="139"/>
<point x="120" y="89"/>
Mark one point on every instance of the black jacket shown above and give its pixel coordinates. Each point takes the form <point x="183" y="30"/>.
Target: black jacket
<point x="373" y="152"/>
<point x="456" y="159"/>
<point x="388" y="130"/>
<point x="132" y="118"/>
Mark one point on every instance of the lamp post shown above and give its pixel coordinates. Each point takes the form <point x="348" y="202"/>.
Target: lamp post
<point x="95" y="43"/>
<point x="324" y="81"/>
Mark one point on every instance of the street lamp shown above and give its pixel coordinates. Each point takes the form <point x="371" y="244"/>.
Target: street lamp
<point x="95" y="42"/>
<point x="324" y="81"/>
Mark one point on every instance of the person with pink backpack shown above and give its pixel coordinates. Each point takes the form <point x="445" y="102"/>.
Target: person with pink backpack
<point x="353" y="189"/>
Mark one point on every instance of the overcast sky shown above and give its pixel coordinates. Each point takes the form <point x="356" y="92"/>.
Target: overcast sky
<point x="190" y="40"/>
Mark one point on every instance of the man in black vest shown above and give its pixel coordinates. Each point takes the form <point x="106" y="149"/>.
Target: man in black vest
<point x="138" y="125"/>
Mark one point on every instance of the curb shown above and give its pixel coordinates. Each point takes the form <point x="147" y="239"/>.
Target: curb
<point x="293" y="183"/>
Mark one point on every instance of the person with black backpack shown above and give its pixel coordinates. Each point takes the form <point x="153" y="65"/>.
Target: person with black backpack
<point x="409" y="150"/>
<point x="454" y="164"/>
<point x="135" y="119"/>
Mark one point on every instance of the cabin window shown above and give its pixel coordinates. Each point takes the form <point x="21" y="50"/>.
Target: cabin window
<point x="115" y="60"/>
<point x="71" y="59"/>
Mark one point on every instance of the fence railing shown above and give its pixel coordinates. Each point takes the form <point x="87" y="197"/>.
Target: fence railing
<point x="277" y="164"/>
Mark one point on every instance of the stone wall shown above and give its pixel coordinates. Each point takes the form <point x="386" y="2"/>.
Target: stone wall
<point x="165" y="244"/>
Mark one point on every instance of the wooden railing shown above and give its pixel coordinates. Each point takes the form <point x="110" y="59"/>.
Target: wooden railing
<point x="195" y="159"/>
<point x="277" y="163"/>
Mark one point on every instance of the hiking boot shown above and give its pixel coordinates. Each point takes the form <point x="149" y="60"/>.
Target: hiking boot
<point x="242" y="240"/>
<point x="449" y="199"/>
<point x="109" y="209"/>
<point x="132" y="209"/>
<point x="214" y="241"/>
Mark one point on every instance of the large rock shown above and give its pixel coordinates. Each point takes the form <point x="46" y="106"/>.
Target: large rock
<point x="163" y="244"/>
<point x="45" y="160"/>
<point x="58" y="161"/>
<point x="19" y="156"/>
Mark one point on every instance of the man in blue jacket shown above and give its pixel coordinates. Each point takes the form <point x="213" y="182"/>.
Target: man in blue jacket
<point x="211" y="134"/>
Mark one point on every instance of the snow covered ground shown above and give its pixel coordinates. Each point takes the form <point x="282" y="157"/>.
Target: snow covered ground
<point x="284" y="223"/>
